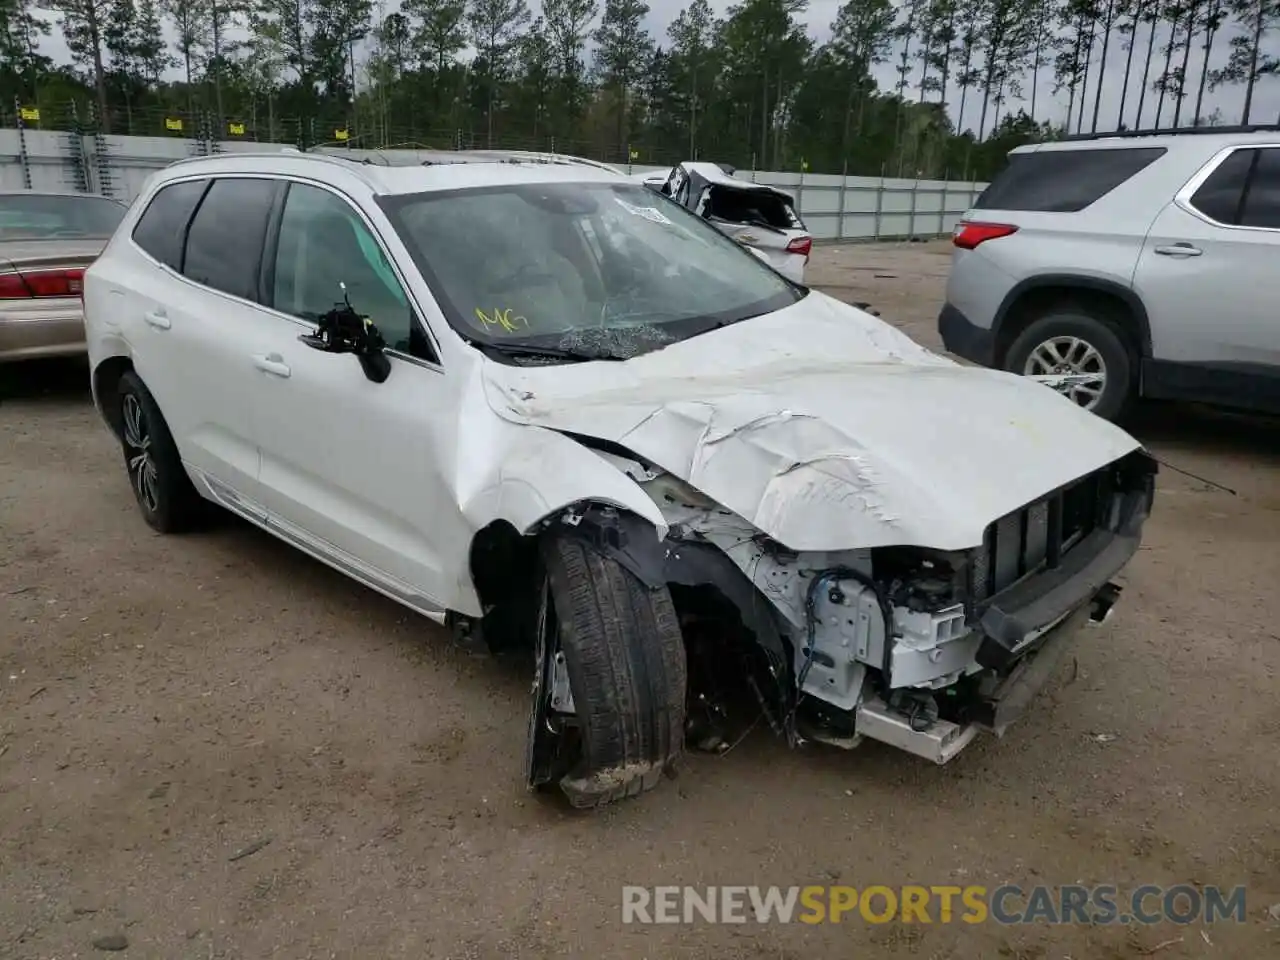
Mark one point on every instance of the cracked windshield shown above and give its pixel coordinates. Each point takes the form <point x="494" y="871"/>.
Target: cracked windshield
<point x="581" y="270"/>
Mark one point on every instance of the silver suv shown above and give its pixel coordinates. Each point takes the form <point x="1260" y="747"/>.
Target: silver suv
<point x="1128" y="265"/>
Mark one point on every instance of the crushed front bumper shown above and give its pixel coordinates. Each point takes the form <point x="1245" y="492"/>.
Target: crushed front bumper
<point x="1027" y="627"/>
<point x="942" y="739"/>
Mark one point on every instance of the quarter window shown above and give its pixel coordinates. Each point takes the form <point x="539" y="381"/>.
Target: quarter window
<point x="1219" y="196"/>
<point x="1262" y="200"/>
<point x="162" y="228"/>
<point x="1063" y="181"/>
<point x="224" y="243"/>
<point x="324" y="246"/>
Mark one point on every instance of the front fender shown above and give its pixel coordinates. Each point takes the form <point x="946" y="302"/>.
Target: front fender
<point x="543" y="472"/>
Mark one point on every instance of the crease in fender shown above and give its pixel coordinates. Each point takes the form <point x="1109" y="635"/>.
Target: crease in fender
<point x="864" y="470"/>
<point x="755" y="423"/>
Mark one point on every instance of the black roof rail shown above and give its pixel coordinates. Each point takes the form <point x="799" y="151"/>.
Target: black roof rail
<point x="1170" y="131"/>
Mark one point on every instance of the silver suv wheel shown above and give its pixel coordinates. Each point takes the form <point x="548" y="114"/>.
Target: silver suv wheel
<point x="1079" y="352"/>
<point x="1072" y="366"/>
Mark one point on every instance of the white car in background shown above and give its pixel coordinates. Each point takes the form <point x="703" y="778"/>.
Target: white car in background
<point x="580" y="423"/>
<point x="756" y="215"/>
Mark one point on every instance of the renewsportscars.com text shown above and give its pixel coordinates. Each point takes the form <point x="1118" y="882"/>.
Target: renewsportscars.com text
<point x="1006" y="904"/>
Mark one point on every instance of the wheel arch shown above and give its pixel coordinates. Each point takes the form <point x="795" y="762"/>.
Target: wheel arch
<point x="104" y="383"/>
<point x="503" y="545"/>
<point x="543" y="477"/>
<point x="1029" y="299"/>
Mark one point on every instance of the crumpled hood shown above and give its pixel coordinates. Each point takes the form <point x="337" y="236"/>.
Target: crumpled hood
<point x="825" y="428"/>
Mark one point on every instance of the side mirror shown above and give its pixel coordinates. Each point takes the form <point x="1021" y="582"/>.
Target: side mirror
<point x="342" y="330"/>
<point x="760" y="254"/>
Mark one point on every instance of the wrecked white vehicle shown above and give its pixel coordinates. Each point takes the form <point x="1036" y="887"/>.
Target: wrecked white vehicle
<point x="578" y="423"/>
<point x="756" y="215"/>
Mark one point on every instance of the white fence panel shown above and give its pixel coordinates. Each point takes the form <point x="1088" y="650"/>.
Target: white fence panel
<point x="833" y="207"/>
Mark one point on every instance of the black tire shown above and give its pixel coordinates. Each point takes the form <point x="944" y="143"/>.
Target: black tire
<point x="1100" y="334"/>
<point x="168" y="501"/>
<point x="625" y="657"/>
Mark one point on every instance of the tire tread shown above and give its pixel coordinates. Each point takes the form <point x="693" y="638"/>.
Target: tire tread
<point x="626" y="661"/>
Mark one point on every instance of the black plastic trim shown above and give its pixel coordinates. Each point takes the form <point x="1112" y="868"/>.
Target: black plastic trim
<point x="964" y="338"/>
<point x="621" y="535"/>
<point x="693" y="564"/>
<point x="1033" y="603"/>
<point x="1245" y="386"/>
<point x="1011" y="699"/>
<point x="270" y="241"/>
<point x="1075" y="281"/>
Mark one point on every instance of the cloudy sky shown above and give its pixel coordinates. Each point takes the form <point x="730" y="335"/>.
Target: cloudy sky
<point x="1266" y="107"/>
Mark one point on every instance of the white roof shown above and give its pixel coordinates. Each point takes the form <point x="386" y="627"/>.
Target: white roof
<point x="389" y="179"/>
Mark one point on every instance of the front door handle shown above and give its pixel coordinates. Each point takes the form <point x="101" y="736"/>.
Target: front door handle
<point x="273" y="364"/>
<point x="157" y="319"/>
<point x="1179" y="250"/>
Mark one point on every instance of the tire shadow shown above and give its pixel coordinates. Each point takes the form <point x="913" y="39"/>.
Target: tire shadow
<point x="1205" y="430"/>
<point x="60" y="380"/>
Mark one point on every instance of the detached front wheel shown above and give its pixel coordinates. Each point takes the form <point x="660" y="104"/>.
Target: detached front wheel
<point x="609" y="693"/>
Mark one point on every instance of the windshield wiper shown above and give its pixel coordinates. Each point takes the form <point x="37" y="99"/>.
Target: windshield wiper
<point x="534" y="350"/>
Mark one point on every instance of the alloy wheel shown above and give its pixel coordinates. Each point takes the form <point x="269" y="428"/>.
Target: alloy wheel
<point x="142" y="467"/>
<point x="1072" y="366"/>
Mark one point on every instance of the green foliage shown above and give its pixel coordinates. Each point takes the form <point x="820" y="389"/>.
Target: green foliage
<point x="748" y="88"/>
<point x="623" y="51"/>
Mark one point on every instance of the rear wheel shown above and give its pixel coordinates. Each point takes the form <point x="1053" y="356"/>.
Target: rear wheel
<point x="616" y="645"/>
<point x="168" y="501"/>
<point x="1085" y="352"/>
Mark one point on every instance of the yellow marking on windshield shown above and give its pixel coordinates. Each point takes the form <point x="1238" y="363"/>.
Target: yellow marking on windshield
<point x="506" y="319"/>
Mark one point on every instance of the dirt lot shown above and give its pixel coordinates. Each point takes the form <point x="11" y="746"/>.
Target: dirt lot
<point x="168" y="703"/>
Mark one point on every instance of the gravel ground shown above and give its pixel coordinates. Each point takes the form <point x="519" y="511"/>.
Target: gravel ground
<point x="167" y="704"/>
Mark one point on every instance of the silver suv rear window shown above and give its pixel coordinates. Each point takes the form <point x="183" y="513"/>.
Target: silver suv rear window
<point x="1063" y="181"/>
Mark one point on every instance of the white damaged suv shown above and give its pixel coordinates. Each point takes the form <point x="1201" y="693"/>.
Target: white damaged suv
<point x="532" y="402"/>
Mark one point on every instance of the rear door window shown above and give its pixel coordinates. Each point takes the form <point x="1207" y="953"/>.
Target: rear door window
<point x="1262" y="201"/>
<point x="1220" y="196"/>
<point x="1063" y="181"/>
<point x="162" y="228"/>
<point x="225" y="240"/>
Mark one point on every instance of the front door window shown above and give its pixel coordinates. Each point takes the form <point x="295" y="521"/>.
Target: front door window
<point x="326" y="252"/>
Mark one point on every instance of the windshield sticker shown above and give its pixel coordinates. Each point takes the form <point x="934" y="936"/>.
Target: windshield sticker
<point x="507" y="320"/>
<point x="649" y="213"/>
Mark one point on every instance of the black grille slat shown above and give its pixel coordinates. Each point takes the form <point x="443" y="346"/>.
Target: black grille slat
<point x="1008" y="549"/>
<point x="1036" y="524"/>
<point x="981" y="567"/>
<point x="1037" y="536"/>
<point x="1053" y="548"/>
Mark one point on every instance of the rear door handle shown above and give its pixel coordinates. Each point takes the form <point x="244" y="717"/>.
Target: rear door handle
<point x="273" y="364"/>
<point x="157" y="319"/>
<point x="1179" y="250"/>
